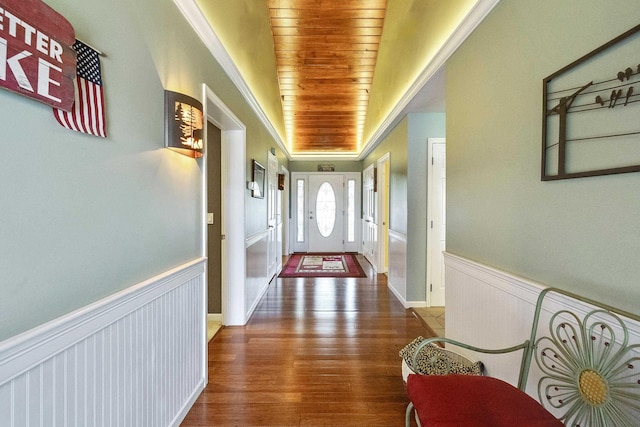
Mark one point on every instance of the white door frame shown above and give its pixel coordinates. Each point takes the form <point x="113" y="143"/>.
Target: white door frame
<point x="430" y="210"/>
<point x="233" y="150"/>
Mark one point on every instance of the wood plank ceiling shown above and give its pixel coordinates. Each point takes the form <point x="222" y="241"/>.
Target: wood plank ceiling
<point x="326" y="53"/>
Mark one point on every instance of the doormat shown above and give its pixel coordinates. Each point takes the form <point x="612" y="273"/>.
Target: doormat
<point x="322" y="265"/>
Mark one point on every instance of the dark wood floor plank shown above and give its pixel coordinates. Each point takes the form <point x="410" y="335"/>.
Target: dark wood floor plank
<point x="316" y="352"/>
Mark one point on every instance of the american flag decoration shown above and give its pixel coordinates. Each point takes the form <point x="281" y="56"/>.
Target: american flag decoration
<point x="87" y="114"/>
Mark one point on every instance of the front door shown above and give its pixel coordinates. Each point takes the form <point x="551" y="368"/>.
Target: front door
<point x="326" y="213"/>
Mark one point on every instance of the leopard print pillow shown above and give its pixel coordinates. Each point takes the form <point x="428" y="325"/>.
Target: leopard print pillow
<point x="434" y="360"/>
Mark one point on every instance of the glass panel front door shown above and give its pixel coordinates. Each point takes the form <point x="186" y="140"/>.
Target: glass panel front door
<point x="326" y="209"/>
<point x="326" y="213"/>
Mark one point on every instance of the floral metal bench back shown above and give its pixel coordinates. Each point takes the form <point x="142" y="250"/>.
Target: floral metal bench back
<point x="590" y="370"/>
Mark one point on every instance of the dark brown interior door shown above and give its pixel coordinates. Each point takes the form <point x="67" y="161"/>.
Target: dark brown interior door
<point x="214" y="206"/>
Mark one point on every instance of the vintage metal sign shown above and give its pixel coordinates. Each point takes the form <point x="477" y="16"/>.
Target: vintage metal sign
<point x="36" y="57"/>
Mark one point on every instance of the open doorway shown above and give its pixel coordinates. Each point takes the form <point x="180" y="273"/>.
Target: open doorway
<point x="232" y="196"/>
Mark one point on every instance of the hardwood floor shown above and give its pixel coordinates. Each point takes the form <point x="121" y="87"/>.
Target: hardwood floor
<point x="316" y="352"/>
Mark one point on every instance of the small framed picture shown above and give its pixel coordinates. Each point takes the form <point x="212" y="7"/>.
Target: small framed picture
<point x="257" y="178"/>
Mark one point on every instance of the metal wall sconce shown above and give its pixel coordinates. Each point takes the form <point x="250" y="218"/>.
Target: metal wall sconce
<point x="183" y="124"/>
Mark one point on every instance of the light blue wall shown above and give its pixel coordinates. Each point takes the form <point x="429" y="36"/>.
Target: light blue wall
<point x="581" y="234"/>
<point x="84" y="217"/>
<point x="407" y="148"/>
<point x="396" y="145"/>
<point x="421" y="128"/>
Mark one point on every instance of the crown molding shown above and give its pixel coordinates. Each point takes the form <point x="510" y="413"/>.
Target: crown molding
<point x="194" y="16"/>
<point x="475" y="16"/>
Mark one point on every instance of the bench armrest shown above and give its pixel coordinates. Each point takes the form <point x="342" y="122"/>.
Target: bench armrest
<point x="437" y="340"/>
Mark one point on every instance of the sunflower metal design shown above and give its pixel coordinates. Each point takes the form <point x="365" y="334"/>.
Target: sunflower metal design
<point x="591" y="374"/>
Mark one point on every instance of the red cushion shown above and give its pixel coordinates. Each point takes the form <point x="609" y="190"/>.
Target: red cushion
<point x="474" y="401"/>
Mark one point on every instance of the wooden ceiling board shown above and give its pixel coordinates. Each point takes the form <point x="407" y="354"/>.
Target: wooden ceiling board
<point x="290" y="43"/>
<point x="321" y="5"/>
<point x="328" y="14"/>
<point x="339" y="30"/>
<point x="326" y="54"/>
<point x="326" y="39"/>
<point x="337" y="22"/>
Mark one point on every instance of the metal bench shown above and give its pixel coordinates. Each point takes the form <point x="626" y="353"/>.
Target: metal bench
<point x="586" y="366"/>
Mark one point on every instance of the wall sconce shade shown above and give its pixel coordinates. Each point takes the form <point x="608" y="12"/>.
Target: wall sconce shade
<point x="184" y="124"/>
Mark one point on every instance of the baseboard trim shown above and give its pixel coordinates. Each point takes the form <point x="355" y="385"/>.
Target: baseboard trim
<point x="397" y="294"/>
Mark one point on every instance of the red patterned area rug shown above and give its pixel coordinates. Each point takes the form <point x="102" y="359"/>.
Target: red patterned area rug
<point x="322" y="265"/>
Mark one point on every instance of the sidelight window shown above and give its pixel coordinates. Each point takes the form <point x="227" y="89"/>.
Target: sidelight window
<point x="351" y="210"/>
<point x="300" y="210"/>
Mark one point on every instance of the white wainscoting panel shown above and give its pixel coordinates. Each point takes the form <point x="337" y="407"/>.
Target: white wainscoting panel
<point x="490" y="308"/>
<point x="398" y="265"/>
<point x="257" y="274"/>
<point x="136" y="358"/>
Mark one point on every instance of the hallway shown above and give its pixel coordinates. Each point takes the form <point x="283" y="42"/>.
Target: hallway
<point x="317" y="352"/>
